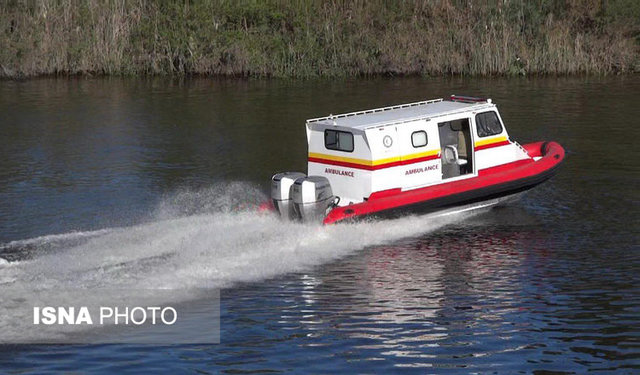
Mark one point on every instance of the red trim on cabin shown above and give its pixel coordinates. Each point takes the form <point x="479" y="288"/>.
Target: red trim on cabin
<point x="373" y="167"/>
<point x="490" y="145"/>
<point x="340" y="163"/>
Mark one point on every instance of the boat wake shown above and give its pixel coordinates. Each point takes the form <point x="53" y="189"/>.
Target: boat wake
<point x="210" y="238"/>
<point x="198" y="239"/>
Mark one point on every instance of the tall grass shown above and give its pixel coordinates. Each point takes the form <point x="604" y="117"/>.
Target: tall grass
<point x="318" y="38"/>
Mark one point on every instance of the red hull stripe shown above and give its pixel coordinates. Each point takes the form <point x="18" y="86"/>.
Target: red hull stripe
<point x="490" y="145"/>
<point x="373" y="167"/>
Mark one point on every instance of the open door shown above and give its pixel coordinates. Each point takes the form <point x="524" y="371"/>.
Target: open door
<point x="457" y="151"/>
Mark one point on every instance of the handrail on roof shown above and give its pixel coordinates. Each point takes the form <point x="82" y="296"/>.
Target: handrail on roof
<point x="332" y="117"/>
<point x="468" y="99"/>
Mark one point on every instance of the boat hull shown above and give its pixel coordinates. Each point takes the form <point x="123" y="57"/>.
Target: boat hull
<point x="490" y="184"/>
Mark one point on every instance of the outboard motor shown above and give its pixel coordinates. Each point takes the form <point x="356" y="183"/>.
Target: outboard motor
<point x="311" y="197"/>
<point x="280" y="189"/>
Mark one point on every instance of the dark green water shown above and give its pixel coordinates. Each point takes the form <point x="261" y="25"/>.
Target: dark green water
<point x="547" y="284"/>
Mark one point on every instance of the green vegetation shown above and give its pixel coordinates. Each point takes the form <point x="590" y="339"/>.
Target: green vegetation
<point x="318" y="38"/>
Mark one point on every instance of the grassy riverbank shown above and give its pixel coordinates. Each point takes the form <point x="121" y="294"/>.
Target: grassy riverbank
<point x="310" y="38"/>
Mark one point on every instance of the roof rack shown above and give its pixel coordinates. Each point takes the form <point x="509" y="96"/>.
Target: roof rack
<point x="468" y="99"/>
<point x="333" y="117"/>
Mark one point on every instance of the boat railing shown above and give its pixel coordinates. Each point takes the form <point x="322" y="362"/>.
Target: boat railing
<point x="520" y="146"/>
<point x="332" y="117"/>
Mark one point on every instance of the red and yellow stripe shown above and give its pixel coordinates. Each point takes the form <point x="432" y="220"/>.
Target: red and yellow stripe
<point x="489" y="143"/>
<point x="373" y="165"/>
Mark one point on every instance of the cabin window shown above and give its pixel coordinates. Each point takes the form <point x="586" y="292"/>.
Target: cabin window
<point x="419" y="138"/>
<point x="338" y="140"/>
<point x="488" y="124"/>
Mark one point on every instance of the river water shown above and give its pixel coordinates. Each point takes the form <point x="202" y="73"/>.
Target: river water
<point x="124" y="170"/>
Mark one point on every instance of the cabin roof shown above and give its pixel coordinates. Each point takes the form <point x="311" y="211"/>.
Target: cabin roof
<point x="371" y="118"/>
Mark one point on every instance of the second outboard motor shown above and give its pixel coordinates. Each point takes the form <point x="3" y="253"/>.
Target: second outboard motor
<point x="311" y="197"/>
<point x="280" y="188"/>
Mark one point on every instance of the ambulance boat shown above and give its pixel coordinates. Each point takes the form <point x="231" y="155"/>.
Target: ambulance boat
<point x="426" y="157"/>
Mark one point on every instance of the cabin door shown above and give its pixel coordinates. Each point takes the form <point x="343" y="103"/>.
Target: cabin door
<point x="456" y="149"/>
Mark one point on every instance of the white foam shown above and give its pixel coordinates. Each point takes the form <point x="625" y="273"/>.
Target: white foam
<point x="208" y="249"/>
<point x="51" y="238"/>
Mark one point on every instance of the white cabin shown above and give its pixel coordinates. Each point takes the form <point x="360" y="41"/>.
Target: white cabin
<point x="408" y="146"/>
